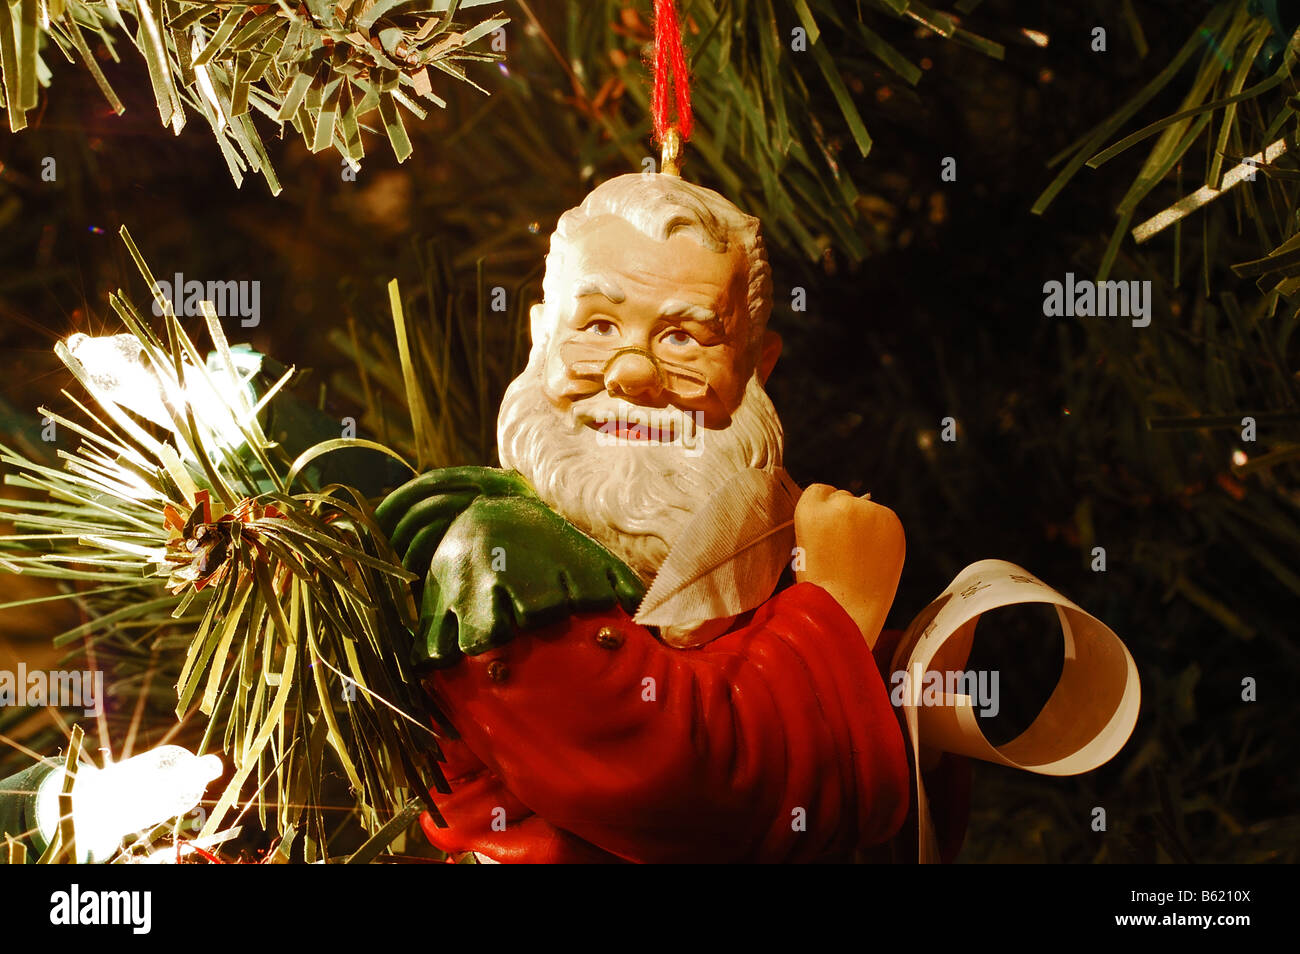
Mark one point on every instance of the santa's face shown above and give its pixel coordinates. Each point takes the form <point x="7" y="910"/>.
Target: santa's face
<point x="657" y="324"/>
<point x="643" y="331"/>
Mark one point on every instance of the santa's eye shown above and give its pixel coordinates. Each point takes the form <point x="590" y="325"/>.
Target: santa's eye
<point x="679" y="338"/>
<point x="601" y="327"/>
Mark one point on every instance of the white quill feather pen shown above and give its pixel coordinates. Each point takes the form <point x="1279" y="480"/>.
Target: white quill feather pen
<point x="727" y="560"/>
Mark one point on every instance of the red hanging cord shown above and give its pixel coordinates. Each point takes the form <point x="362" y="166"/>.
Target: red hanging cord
<point x="670" y="69"/>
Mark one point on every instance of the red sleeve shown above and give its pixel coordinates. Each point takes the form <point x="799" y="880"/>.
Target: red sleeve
<point x="775" y="742"/>
<point x="483" y="816"/>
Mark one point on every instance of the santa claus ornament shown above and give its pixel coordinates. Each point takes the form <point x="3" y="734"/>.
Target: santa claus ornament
<point x="653" y="645"/>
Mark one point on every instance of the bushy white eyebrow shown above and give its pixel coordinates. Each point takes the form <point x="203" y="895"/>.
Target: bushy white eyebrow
<point x="680" y="309"/>
<point x="599" y="285"/>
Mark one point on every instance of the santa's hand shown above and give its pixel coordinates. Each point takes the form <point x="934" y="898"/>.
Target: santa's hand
<point x="508" y="564"/>
<point x="852" y="548"/>
<point x="416" y="515"/>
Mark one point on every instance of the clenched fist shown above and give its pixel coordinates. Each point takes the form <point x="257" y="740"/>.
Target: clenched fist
<point x="852" y="548"/>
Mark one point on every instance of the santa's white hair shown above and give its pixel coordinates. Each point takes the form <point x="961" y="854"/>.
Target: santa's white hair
<point x="658" y="205"/>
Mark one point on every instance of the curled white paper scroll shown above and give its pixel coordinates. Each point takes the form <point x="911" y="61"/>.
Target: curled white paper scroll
<point x="1085" y="722"/>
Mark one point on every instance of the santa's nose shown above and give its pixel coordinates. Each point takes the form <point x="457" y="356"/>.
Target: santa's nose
<point x="633" y="375"/>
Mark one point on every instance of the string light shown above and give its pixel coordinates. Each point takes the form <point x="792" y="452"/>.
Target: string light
<point x="120" y="372"/>
<point x="122" y="797"/>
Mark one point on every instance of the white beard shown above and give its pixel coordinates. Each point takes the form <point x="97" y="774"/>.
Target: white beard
<point x="634" y="497"/>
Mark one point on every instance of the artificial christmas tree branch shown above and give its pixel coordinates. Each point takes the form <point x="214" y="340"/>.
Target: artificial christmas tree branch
<point x="320" y="66"/>
<point x="293" y="611"/>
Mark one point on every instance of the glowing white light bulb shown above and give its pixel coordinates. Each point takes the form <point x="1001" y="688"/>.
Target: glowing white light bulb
<point x="128" y="796"/>
<point x="213" y="402"/>
<point x="120" y="372"/>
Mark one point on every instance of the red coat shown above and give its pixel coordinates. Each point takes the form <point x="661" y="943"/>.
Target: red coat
<point x="590" y="740"/>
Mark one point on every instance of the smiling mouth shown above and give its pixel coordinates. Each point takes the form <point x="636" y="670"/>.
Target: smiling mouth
<point x="662" y="431"/>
